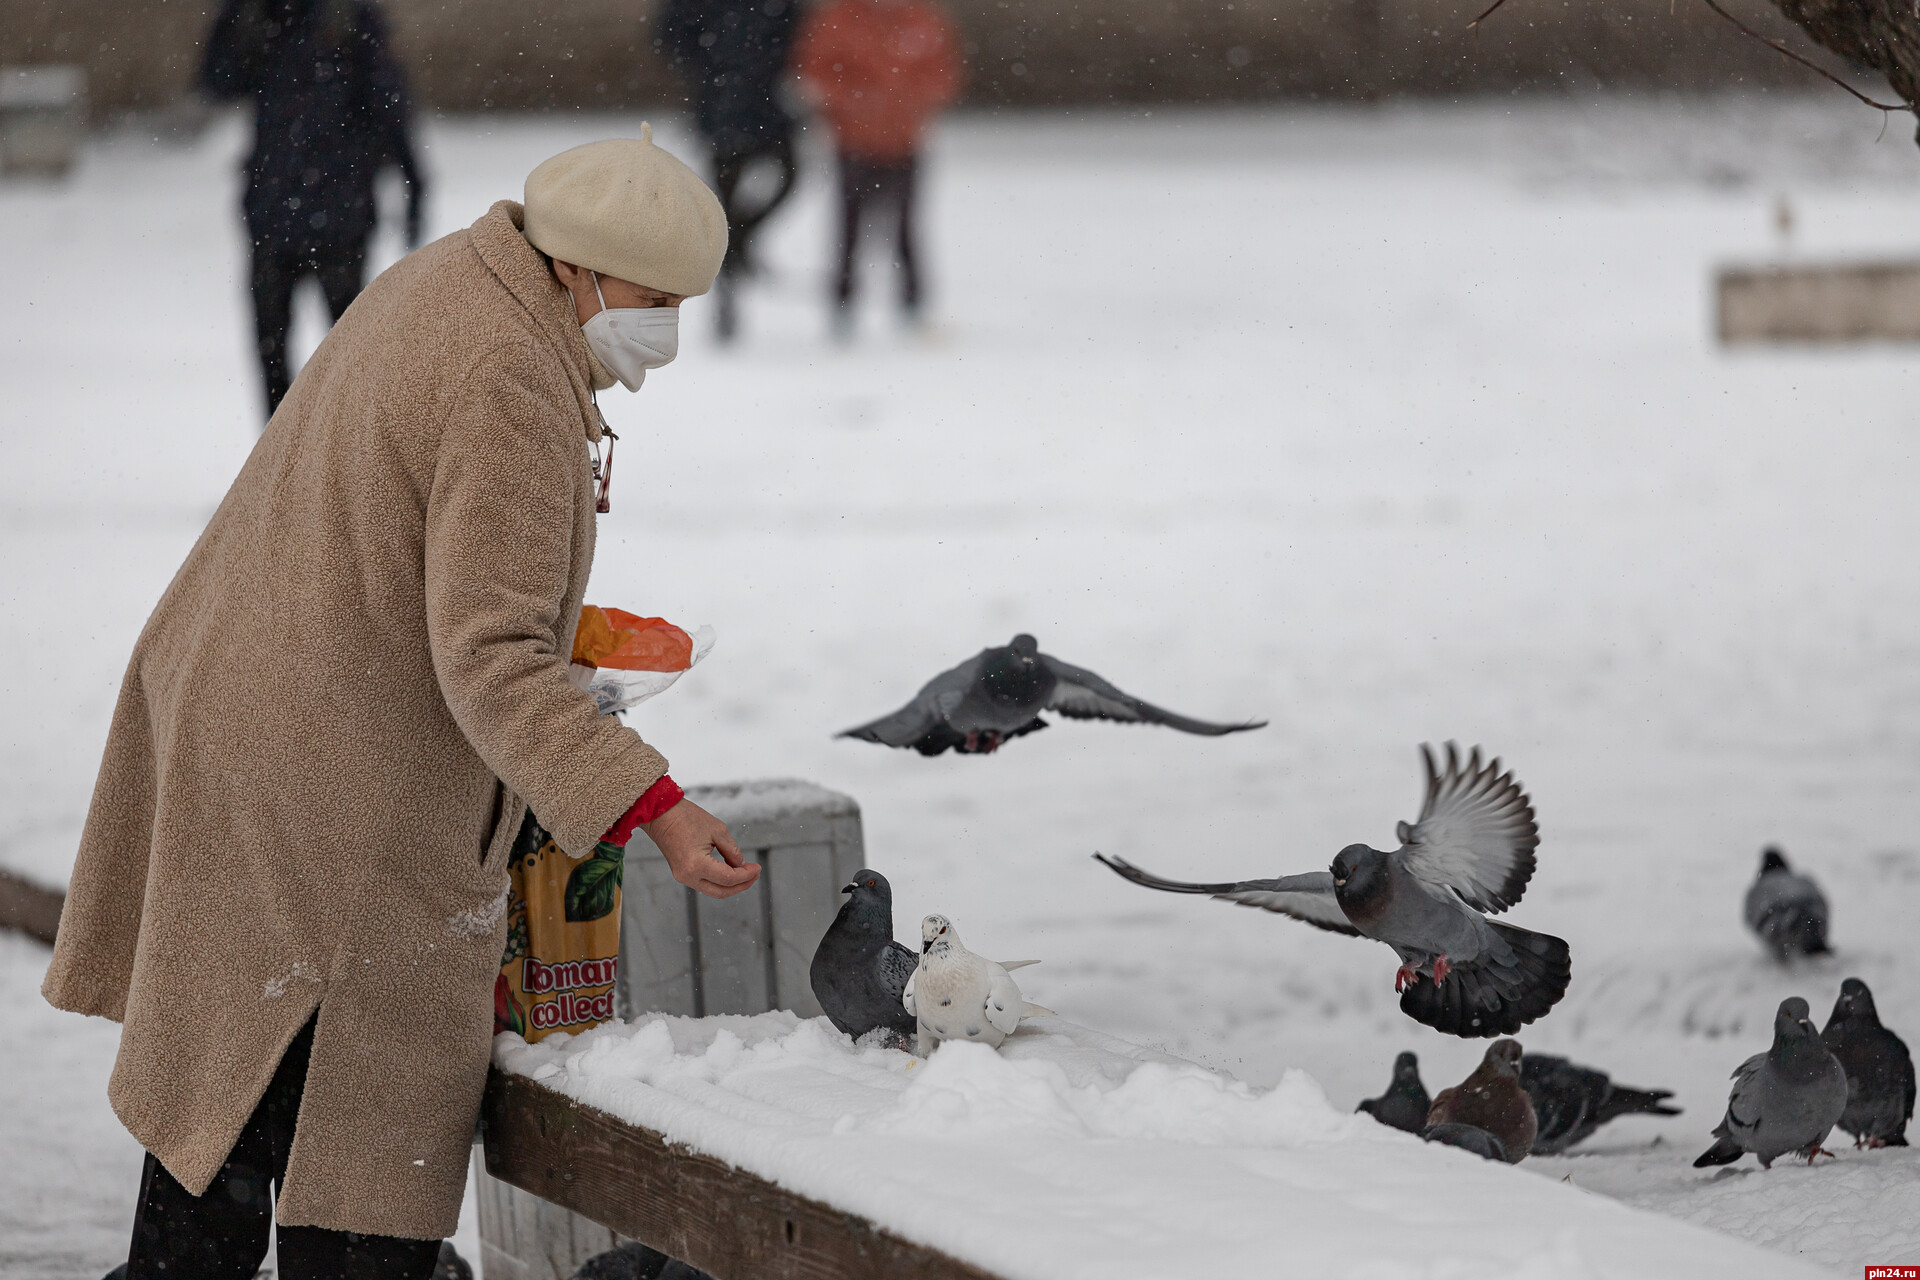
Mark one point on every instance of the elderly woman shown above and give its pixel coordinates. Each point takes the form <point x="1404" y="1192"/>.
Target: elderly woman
<point x="292" y="882"/>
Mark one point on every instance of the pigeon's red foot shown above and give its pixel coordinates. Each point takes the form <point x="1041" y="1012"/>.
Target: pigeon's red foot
<point x="1870" y="1144"/>
<point x="1441" y="968"/>
<point x="985" y="743"/>
<point x="1403" y="977"/>
<point x="1820" y="1151"/>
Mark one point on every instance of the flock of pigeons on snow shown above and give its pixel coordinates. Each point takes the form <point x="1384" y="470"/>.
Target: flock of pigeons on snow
<point x="1469" y="855"/>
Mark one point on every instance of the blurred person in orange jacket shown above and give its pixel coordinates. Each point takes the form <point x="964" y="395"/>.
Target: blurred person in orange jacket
<point x="879" y="71"/>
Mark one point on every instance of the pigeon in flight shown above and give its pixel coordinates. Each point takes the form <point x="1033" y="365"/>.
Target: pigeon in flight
<point x="999" y="694"/>
<point x="1468" y="1137"/>
<point x="1492" y="1099"/>
<point x="1879" y="1070"/>
<point x="957" y="995"/>
<point x="859" y="971"/>
<point x="1572" y="1101"/>
<point x="1786" y="1099"/>
<point x="1470" y="852"/>
<point x="1786" y="909"/>
<point x="1404" y="1104"/>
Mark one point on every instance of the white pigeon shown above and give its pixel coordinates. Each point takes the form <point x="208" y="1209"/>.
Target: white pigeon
<point x="957" y="995"/>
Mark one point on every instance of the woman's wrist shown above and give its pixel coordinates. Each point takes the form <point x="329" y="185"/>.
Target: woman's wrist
<point x="653" y="802"/>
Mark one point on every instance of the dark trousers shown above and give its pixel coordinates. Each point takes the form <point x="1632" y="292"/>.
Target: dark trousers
<point x="743" y="219"/>
<point x="869" y="186"/>
<point x="222" y="1235"/>
<point x="275" y="273"/>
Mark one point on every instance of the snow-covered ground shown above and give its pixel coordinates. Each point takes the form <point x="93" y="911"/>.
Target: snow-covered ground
<point x="1391" y="425"/>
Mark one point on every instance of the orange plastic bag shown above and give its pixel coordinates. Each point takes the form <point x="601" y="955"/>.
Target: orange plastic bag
<point x="623" y="659"/>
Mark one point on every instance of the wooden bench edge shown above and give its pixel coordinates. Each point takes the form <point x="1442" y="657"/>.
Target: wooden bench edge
<point x="698" y="1208"/>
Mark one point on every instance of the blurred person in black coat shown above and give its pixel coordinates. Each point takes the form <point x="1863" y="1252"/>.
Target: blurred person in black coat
<point x="733" y="55"/>
<point x="330" y="111"/>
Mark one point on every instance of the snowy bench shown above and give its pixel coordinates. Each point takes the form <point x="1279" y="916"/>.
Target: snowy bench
<point x="767" y="1147"/>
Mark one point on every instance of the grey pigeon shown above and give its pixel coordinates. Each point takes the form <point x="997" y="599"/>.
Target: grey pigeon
<point x="450" y="1265"/>
<point x="1786" y="1099"/>
<point x="999" y="694"/>
<point x="1571" y="1101"/>
<point x="1468" y="1138"/>
<point x="1879" y="1070"/>
<point x="1471" y="851"/>
<point x="858" y="970"/>
<point x="1404" y="1104"/>
<point x="1786" y="909"/>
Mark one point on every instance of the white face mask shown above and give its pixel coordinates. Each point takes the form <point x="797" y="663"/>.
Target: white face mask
<point x="631" y="340"/>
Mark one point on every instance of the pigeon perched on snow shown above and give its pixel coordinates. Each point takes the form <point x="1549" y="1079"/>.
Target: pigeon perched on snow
<point x="1492" y="1099"/>
<point x="1404" y="1104"/>
<point x="1571" y="1101"/>
<point x="1786" y="1099"/>
<point x="1786" y="909"/>
<point x="1468" y="1137"/>
<point x="999" y="693"/>
<point x="1471" y="851"/>
<point x="957" y="995"/>
<point x="1879" y="1070"/>
<point x="859" y="972"/>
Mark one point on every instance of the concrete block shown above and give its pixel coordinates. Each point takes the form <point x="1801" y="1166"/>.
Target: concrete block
<point x="43" y="116"/>
<point x="684" y="954"/>
<point x="1830" y="303"/>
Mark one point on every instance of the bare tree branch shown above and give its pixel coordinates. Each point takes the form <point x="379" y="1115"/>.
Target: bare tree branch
<point x="1883" y="35"/>
<point x="1874" y="35"/>
<point x="1781" y="48"/>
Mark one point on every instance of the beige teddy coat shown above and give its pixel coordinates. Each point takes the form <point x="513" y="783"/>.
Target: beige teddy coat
<point x="327" y="736"/>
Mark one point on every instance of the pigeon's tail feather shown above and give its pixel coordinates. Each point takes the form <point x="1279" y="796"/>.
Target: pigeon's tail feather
<point x="1895" y="1139"/>
<point x="1795" y="928"/>
<point x="1723" y="1151"/>
<point x="1495" y="997"/>
<point x="1017" y="964"/>
<point x="1634" y="1102"/>
<point x="1031" y="1010"/>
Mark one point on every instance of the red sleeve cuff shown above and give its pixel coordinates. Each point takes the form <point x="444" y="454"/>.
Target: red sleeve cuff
<point x="658" y="798"/>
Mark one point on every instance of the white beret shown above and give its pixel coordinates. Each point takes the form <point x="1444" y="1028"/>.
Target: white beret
<point x="628" y="209"/>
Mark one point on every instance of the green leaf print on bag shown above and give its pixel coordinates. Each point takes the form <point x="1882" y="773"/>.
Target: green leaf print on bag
<point x="595" y="882"/>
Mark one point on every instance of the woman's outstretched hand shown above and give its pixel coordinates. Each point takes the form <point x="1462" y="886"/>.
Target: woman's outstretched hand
<point x="688" y="837"/>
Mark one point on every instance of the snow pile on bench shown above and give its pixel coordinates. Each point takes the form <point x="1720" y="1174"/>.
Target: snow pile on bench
<point x="1071" y="1154"/>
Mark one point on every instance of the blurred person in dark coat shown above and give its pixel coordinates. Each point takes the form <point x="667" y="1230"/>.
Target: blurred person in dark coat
<point x="733" y="55"/>
<point x="330" y="111"/>
<point x="880" y="71"/>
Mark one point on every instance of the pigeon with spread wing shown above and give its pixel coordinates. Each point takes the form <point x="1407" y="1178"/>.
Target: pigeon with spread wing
<point x="999" y="694"/>
<point x="1470" y="852"/>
